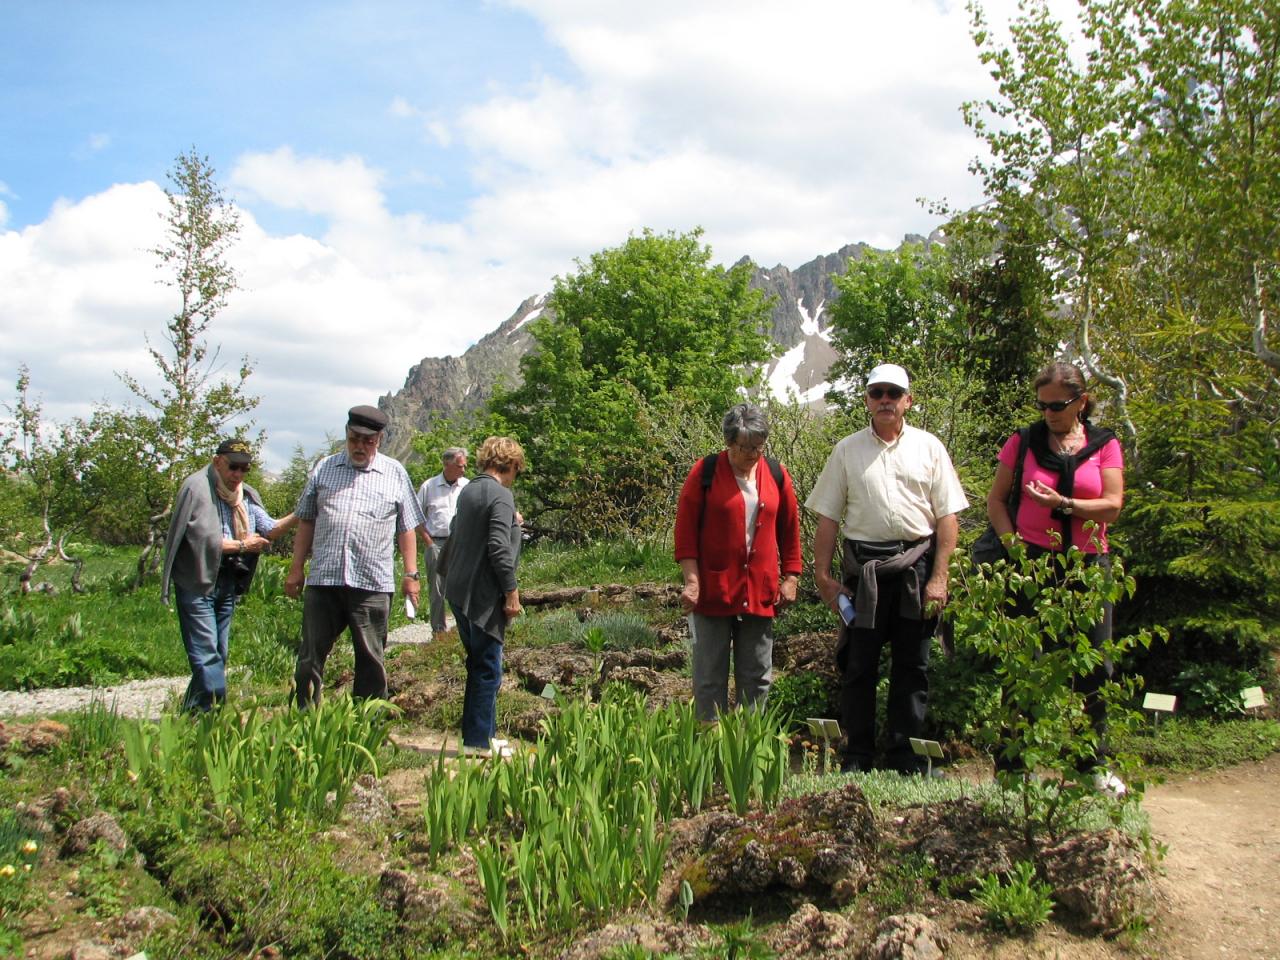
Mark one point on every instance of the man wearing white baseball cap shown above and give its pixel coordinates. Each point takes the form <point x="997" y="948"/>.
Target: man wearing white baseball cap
<point x="891" y="493"/>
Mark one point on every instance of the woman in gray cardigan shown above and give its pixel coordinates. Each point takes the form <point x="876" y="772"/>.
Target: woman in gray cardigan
<point x="480" y="581"/>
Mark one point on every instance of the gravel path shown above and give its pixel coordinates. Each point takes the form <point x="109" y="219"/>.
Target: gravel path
<point x="138" y="698"/>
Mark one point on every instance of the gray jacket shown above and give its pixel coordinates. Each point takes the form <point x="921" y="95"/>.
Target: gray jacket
<point x="484" y="547"/>
<point x="193" y="548"/>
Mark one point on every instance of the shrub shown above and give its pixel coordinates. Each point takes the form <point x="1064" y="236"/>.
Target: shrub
<point x="797" y="696"/>
<point x="1212" y="690"/>
<point x="1020" y="904"/>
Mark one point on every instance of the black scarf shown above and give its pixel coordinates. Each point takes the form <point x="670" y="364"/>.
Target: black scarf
<point x="1064" y="464"/>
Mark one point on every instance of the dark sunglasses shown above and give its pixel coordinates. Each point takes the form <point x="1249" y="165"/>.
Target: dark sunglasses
<point x="238" y="467"/>
<point x="1057" y="406"/>
<point x="895" y="393"/>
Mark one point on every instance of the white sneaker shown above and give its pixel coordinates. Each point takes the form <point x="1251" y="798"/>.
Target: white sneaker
<point x="1108" y="783"/>
<point x="482" y="752"/>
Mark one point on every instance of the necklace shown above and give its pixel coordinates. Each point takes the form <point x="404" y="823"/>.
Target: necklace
<point x="1070" y="442"/>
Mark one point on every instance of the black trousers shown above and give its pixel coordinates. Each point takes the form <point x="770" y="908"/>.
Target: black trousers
<point x="326" y="612"/>
<point x="859" y="660"/>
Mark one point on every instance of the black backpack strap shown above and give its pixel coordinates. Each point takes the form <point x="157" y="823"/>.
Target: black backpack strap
<point x="1015" y="492"/>
<point x="708" y="475"/>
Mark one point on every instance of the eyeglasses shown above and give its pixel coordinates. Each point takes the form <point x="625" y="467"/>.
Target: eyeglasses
<point x="1057" y="406"/>
<point x="238" y="467"/>
<point x="366" y="440"/>
<point x="895" y="393"/>
<point x="751" y="451"/>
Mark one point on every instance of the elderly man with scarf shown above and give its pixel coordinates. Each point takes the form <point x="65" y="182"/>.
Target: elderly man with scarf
<point x="218" y="530"/>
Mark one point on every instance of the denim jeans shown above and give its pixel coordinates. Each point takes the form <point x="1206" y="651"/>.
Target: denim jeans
<point x="205" y="622"/>
<point x="484" y="677"/>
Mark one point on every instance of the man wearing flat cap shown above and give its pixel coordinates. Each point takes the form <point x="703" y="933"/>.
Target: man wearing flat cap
<point x="218" y="529"/>
<point x="356" y="508"/>
<point x="889" y="496"/>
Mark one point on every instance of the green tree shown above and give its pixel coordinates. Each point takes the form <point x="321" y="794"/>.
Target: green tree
<point x="641" y="325"/>
<point x="196" y="400"/>
<point x="1142" y="170"/>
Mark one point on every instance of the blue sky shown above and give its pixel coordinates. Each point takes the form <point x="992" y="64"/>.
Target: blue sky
<point x="407" y="173"/>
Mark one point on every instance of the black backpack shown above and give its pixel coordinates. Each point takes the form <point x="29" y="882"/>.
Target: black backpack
<point x="708" y="474"/>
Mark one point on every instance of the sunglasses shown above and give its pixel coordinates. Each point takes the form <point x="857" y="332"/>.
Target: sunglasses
<point x="238" y="467"/>
<point x="894" y="393"/>
<point x="1057" y="406"/>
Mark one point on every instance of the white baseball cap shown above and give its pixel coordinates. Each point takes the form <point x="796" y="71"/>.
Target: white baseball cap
<point x="891" y="374"/>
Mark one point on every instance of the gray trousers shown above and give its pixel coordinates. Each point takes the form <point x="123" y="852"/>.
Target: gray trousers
<point x="435" y="582"/>
<point x="751" y="641"/>
<point x="326" y="612"/>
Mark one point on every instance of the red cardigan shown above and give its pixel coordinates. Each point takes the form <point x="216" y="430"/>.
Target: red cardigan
<point x="731" y="582"/>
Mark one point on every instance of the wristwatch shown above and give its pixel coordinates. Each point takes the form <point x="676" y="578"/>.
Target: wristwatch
<point x="412" y="576"/>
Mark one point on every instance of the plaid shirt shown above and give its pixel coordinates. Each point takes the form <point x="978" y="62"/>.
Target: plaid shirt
<point x="358" y="514"/>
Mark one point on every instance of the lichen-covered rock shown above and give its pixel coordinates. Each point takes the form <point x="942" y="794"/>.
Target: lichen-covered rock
<point x="367" y="803"/>
<point x="92" y="950"/>
<point x="141" y="922"/>
<point x="1102" y="880"/>
<point x="99" y="826"/>
<point x="823" y="844"/>
<point x="654" y="937"/>
<point x="964" y="844"/>
<point x="39" y="737"/>
<point x="814" y="933"/>
<point x="908" y="936"/>
<point x="43" y="814"/>
<point x="418" y="905"/>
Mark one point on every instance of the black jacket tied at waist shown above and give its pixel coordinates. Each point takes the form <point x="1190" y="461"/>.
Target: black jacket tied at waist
<point x="865" y="561"/>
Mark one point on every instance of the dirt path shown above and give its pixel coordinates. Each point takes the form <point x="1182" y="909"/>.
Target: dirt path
<point x="1222" y="871"/>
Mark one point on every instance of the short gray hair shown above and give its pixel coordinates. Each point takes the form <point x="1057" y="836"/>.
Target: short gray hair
<point x="453" y="453"/>
<point x="745" y="418"/>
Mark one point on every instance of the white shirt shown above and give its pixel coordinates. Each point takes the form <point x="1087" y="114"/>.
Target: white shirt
<point x="882" y="491"/>
<point x="439" y="500"/>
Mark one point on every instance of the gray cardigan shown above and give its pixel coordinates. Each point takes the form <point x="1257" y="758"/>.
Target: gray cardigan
<point x="193" y="548"/>
<point x="484" y="547"/>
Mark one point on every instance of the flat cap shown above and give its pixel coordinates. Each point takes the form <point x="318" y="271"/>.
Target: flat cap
<point x="366" y="419"/>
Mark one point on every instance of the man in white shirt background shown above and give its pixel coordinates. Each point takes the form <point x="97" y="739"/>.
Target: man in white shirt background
<point x="439" y="499"/>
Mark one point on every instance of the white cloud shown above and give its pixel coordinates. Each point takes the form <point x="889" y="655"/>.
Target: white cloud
<point x="99" y="141"/>
<point x="784" y="131"/>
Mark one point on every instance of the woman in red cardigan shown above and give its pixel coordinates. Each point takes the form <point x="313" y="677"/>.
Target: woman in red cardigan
<point x="738" y="546"/>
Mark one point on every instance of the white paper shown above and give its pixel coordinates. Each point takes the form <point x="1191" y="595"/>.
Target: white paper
<point x="409" y="610"/>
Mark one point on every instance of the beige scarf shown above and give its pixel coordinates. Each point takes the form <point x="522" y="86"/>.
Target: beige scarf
<point x="239" y="512"/>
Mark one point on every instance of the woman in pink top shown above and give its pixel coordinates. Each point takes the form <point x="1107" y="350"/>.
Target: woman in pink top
<point x="1072" y="475"/>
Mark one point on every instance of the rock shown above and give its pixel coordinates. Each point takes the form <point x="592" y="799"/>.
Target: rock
<point x="99" y="826"/>
<point x="141" y="922"/>
<point x="650" y="938"/>
<point x="908" y="936"/>
<point x="39" y="737"/>
<point x="367" y="803"/>
<point x="814" y="933"/>
<point x="964" y="843"/>
<point x="42" y="815"/>
<point x="1102" y="880"/>
<point x="92" y="950"/>
<point x="430" y="907"/>
<point x="823" y="843"/>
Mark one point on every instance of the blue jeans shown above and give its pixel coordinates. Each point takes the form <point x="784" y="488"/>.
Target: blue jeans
<point x="484" y="677"/>
<point x="205" y="622"/>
